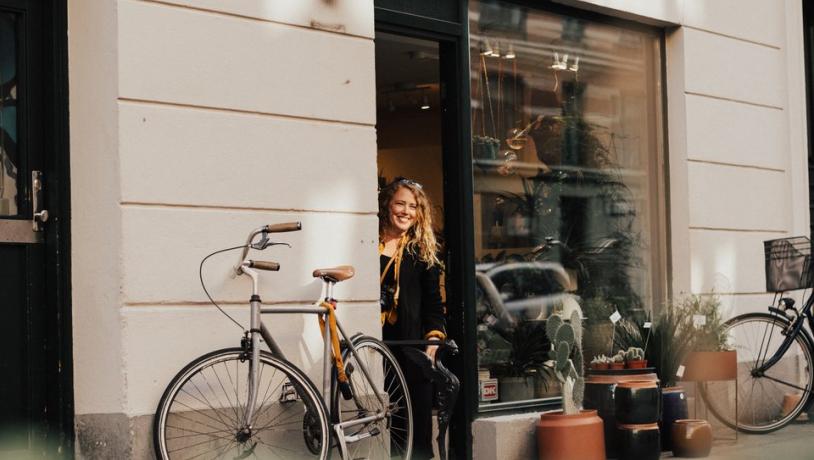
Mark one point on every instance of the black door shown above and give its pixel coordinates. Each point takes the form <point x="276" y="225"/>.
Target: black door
<point x="31" y="376"/>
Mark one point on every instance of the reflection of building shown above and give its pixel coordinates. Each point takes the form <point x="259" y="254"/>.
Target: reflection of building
<point x="191" y="122"/>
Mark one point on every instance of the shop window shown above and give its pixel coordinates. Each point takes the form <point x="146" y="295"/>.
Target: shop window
<point x="568" y="195"/>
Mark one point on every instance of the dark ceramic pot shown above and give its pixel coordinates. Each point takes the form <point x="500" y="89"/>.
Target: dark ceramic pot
<point x="599" y="396"/>
<point x="639" y="442"/>
<point x="691" y="438"/>
<point x="600" y="387"/>
<point x="638" y="402"/>
<point x="674" y="407"/>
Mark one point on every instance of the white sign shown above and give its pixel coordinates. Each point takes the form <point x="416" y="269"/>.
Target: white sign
<point x="488" y="390"/>
<point x="615" y="317"/>
<point x="680" y="372"/>
<point x="647" y="325"/>
<point x="699" y="320"/>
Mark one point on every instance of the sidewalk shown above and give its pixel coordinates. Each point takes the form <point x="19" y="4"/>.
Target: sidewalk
<point x="794" y="442"/>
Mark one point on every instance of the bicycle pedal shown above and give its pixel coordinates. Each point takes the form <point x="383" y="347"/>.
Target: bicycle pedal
<point x="288" y="394"/>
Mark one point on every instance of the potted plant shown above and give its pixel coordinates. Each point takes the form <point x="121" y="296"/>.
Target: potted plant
<point x="634" y="358"/>
<point x="710" y="357"/>
<point x="666" y="344"/>
<point x="571" y="432"/>
<point x="617" y="361"/>
<point x="525" y="363"/>
<point x="600" y="363"/>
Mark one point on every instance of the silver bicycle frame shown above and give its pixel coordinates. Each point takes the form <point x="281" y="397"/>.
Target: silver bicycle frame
<point x="257" y="330"/>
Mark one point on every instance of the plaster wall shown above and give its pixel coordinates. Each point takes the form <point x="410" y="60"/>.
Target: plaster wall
<point x="212" y="118"/>
<point x="736" y="137"/>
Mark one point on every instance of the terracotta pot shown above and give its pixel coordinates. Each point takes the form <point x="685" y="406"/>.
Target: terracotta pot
<point x="638" y="402"/>
<point x="600" y="366"/>
<point x="673" y="407"/>
<point x="567" y="437"/>
<point x="710" y="365"/>
<point x="691" y="438"/>
<point x="636" y="364"/>
<point x="617" y="366"/>
<point x="639" y="442"/>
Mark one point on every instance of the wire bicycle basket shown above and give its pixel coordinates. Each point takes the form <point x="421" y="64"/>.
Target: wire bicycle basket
<point x="788" y="263"/>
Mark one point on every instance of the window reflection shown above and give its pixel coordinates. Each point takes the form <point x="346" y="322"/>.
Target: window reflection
<point x="8" y="115"/>
<point x="566" y="146"/>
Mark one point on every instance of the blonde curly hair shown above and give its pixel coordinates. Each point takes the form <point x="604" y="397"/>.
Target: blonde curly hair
<point x="421" y="240"/>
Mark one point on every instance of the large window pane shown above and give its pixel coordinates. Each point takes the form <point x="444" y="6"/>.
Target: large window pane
<point x="567" y="146"/>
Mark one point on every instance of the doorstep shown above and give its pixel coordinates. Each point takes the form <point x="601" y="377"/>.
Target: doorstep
<point x="505" y="437"/>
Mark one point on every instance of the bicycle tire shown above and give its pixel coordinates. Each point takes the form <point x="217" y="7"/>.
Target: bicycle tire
<point x="382" y="365"/>
<point x="201" y="411"/>
<point x="773" y="405"/>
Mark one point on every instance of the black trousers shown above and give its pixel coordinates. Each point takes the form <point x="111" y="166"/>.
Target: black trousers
<point x="421" y="397"/>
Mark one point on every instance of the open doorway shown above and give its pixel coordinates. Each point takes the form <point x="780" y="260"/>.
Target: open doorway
<point x="408" y="115"/>
<point x="409" y="125"/>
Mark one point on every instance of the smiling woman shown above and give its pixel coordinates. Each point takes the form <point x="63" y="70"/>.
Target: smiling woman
<point x="411" y="296"/>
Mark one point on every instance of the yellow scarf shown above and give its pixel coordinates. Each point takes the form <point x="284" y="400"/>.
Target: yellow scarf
<point x="391" y="316"/>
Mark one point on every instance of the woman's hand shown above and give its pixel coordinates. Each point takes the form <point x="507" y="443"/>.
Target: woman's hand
<point x="431" y="349"/>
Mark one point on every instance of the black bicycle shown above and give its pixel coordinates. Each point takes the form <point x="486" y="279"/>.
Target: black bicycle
<point x="775" y="351"/>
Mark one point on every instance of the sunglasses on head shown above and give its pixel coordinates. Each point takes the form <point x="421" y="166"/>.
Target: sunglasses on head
<point x="405" y="181"/>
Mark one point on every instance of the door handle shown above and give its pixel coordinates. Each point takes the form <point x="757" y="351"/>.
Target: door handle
<point x="40" y="216"/>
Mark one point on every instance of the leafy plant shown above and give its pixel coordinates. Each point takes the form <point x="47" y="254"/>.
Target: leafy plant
<point x="708" y="334"/>
<point x="529" y="350"/>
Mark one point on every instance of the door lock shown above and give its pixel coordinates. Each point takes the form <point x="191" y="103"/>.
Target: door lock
<point x="40" y="216"/>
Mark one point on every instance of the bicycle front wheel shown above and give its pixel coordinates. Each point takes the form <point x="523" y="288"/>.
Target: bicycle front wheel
<point x="770" y="401"/>
<point x="201" y="414"/>
<point x="392" y="436"/>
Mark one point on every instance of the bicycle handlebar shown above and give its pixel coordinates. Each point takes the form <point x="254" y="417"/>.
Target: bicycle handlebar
<point x="285" y="227"/>
<point x="264" y="265"/>
<point x="270" y="228"/>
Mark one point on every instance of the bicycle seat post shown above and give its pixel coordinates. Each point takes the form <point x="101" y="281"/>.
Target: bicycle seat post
<point x="327" y="371"/>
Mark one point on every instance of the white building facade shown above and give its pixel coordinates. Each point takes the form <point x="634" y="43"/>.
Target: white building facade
<point x="191" y="122"/>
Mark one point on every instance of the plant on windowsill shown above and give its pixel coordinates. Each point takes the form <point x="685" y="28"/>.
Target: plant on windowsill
<point x="525" y="365"/>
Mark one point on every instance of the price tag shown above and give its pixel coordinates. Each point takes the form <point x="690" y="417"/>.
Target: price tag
<point x="680" y="372"/>
<point x="699" y="320"/>
<point x="647" y="325"/>
<point x="615" y="317"/>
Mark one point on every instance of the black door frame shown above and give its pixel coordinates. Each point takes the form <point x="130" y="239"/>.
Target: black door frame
<point x="453" y="41"/>
<point x="56" y="174"/>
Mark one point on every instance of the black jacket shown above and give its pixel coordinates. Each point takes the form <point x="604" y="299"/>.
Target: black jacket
<point x="420" y="310"/>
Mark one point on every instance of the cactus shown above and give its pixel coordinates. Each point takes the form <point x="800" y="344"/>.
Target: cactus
<point x="618" y="357"/>
<point x="566" y="352"/>
<point x="634" y="354"/>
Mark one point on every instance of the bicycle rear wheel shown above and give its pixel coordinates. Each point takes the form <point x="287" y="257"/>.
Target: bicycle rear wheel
<point x="392" y="436"/>
<point x="201" y="414"/>
<point x="765" y="402"/>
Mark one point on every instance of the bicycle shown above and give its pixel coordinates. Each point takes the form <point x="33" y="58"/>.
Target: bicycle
<point x="246" y="402"/>
<point x="775" y="352"/>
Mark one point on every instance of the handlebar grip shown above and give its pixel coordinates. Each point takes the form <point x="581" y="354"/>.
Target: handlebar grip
<point x="285" y="227"/>
<point x="264" y="265"/>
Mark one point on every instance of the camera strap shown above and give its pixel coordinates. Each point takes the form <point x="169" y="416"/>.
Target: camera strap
<point x="391" y="315"/>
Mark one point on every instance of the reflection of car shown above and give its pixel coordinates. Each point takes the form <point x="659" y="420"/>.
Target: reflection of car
<point x="524" y="291"/>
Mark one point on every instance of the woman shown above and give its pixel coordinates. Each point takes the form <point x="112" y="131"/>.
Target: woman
<point x="411" y="295"/>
